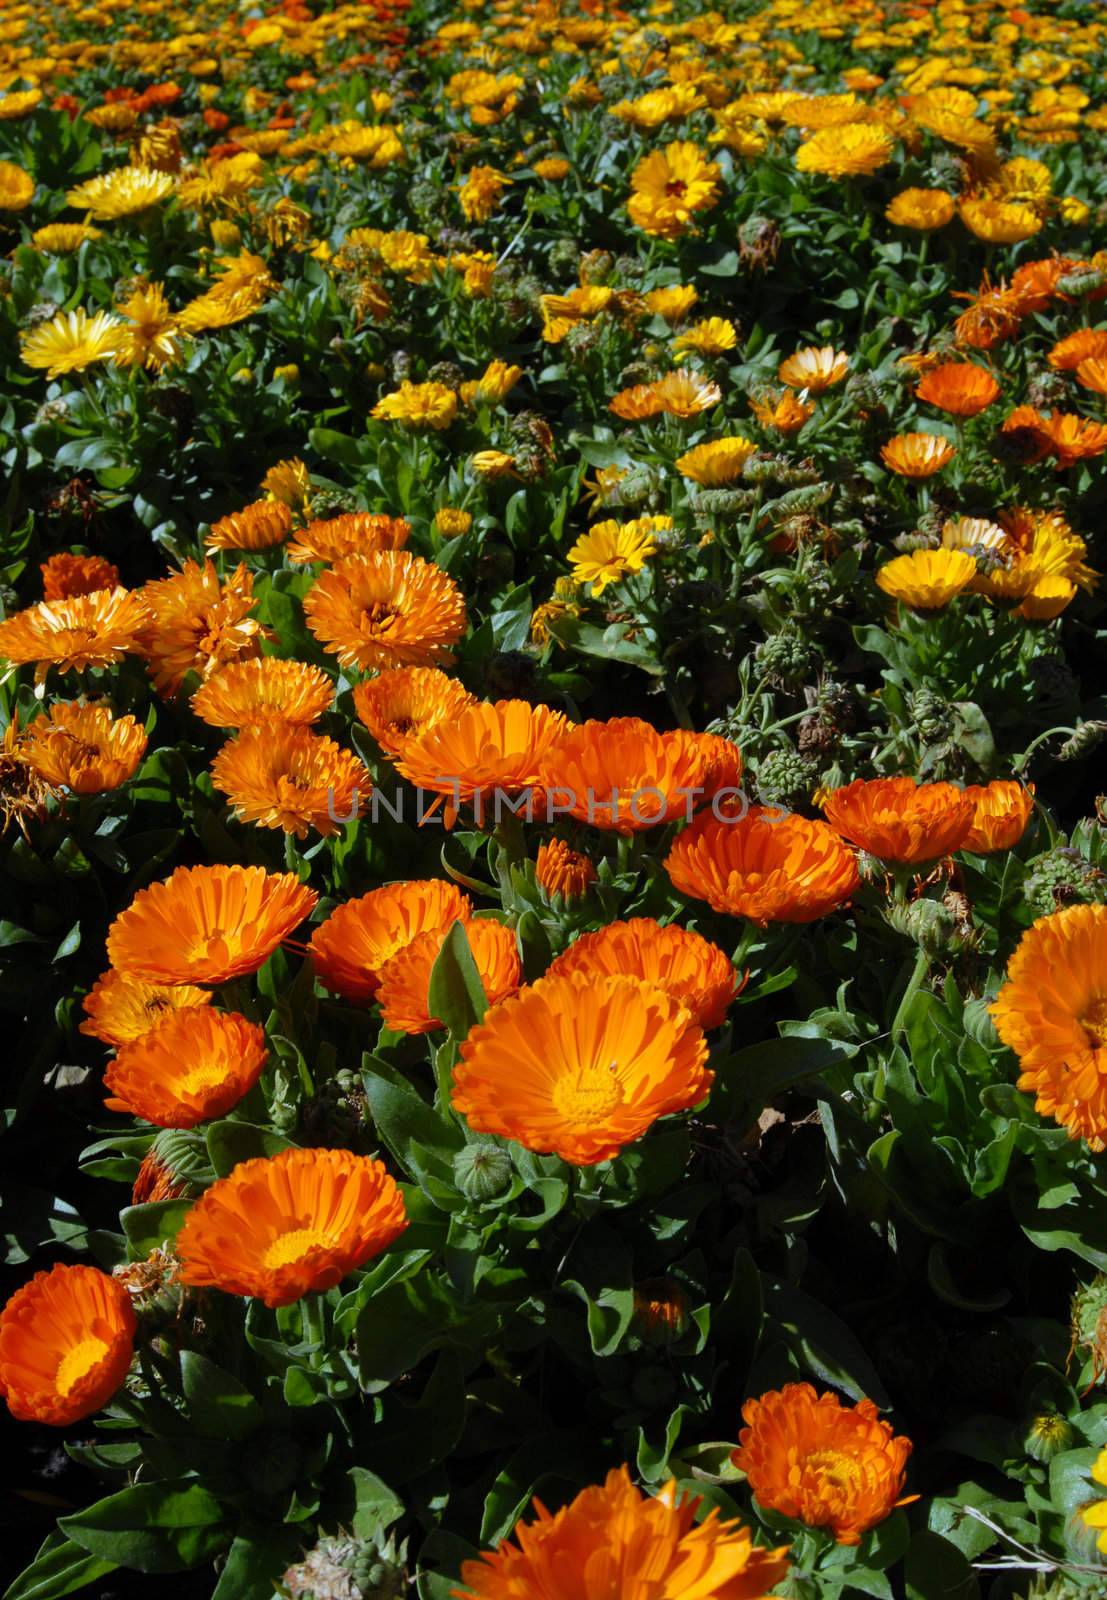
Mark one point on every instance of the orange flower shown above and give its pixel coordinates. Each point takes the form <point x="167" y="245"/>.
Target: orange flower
<point x="686" y="394"/>
<point x="264" y="692"/>
<point x="66" y="1342"/>
<point x="192" y="1066"/>
<point x="155" y="1180"/>
<point x="722" y="761"/>
<point x="405" y="977"/>
<point x="199" y="624"/>
<point x="256" y="527"/>
<point x="900" y="820"/>
<point x="65" y="576"/>
<point x="357" y="533"/>
<point x="684" y="964"/>
<point x="120" y="1009"/>
<point x="814" y="369"/>
<point x="1092" y="374"/>
<point x="993" y="315"/>
<point x="1003" y="809"/>
<point x="349" y="950"/>
<point x="810" y="1457"/>
<point x="561" y="871"/>
<point x="390" y="609"/>
<point x="1073" y="439"/>
<point x="1027" y="432"/>
<point x="1052" y="1012"/>
<point x="637" y="403"/>
<point x="207" y="924"/>
<point x="1083" y="345"/>
<point x="917" y="455"/>
<point x="581" y="1066"/>
<point x="283" y="776"/>
<point x="487" y="750"/>
<point x="407" y="702"/>
<point x="293" y="1225"/>
<point x="959" y="387"/>
<point x="86" y="630"/>
<point x="636" y="1547"/>
<point x="781" y="412"/>
<point x="623" y="775"/>
<point x="84" y="748"/>
<point x="766" y="865"/>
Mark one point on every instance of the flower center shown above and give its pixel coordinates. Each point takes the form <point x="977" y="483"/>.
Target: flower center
<point x="1094" y="1022"/>
<point x="294" y="1246"/>
<point x="589" y="1095"/>
<point x="79" y="1362"/>
<point x="676" y="187"/>
<point x="834" y="1472"/>
<point x="204" y="1075"/>
<point x="379" y="616"/>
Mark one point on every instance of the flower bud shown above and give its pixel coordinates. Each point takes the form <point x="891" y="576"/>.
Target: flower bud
<point x="482" y="1171"/>
<point x="1048" y="1435"/>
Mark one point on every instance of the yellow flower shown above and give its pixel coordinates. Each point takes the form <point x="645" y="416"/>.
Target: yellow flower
<point x="850" y="150"/>
<point x="121" y="193"/>
<point x="611" y="550"/>
<point x="1074" y="211"/>
<point x="492" y="464"/>
<point x="552" y="169"/>
<point x="63" y="238"/>
<point x="419" y="405"/>
<point x="669" y="185"/>
<point x="71" y="341"/>
<point x="716" y="463"/>
<point x="814" y="369"/>
<point x="497" y="382"/>
<point x="709" y="337"/>
<point x="674" y="303"/>
<point x="16" y="187"/>
<point x="19" y="104"/>
<point x="921" y="209"/>
<point x="290" y="483"/>
<point x="999" y="221"/>
<point x="927" y="580"/>
<point x="152" y="339"/>
<point x="480" y="192"/>
<point x="451" y="522"/>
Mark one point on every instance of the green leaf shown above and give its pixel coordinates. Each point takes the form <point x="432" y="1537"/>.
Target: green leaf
<point x="377" y="1506"/>
<point x="59" y="1567"/>
<point x="456" y="995"/>
<point x="230" y="1143"/>
<point x="569" y="1457"/>
<point x="936" y="1570"/>
<point x="403" y="1119"/>
<point x="256" y="1561"/>
<point x="822" y="1342"/>
<point x="220" y="1406"/>
<point x="152" y="1527"/>
<point x="153" y="1224"/>
<point x="407" y="1320"/>
<point x="337" y="447"/>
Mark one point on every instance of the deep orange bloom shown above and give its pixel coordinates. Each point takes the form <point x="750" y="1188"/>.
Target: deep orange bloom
<point x="623" y="775"/>
<point x="351" y="947"/>
<point x="558" y="870"/>
<point x="406" y="702"/>
<point x="199" y="624"/>
<point x="684" y="964"/>
<point x="84" y="748"/>
<point x="829" y="1465"/>
<point x="1084" y="345"/>
<point x="637" y="403"/>
<point x="288" y="777"/>
<point x="281" y="1228"/>
<point x="262" y="692"/>
<point x="65" y="576"/>
<point x="207" y="924"/>
<point x="959" y="387"/>
<point x="391" y="609"/>
<point x="256" y="527"/>
<point x="1052" y="1012"/>
<point x="87" y="630"/>
<point x="192" y="1066"/>
<point x="616" y="1541"/>
<point x="405" y="977"/>
<point x="357" y="533"/>
<point x="120" y="1009"/>
<point x="66" y="1342"/>
<point x="1073" y="438"/>
<point x="768" y="866"/>
<point x="156" y="1180"/>
<point x="487" y="749"/>
<point x="917" y="455"/>
<point x="781" y="412"/>
<point x="581" y="1066"/>
<point x="1003" y="809"/>
<point x="900" y="820"/>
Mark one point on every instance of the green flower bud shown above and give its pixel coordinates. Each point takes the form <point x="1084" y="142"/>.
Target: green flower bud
<point x="1048" y="1435"/>
<point x="482" y="1171"/>
<point x="928" y="922"/>
<point x="787" y="779"/>
<point x="1081" y="283"/>
<point x="1060" y="878"/>
<point x="1087" y="737"/>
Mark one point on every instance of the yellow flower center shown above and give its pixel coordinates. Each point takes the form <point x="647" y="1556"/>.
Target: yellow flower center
<point x="834" y="1473"/>
<point x="1094" y="1022"/>
<point x="79" y="1362"/>
<point x="294" y="1246"/>
<point x="588" y="1096"/>
<point x="204" y="1075"/>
